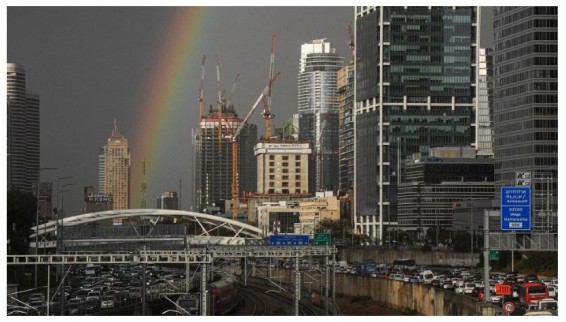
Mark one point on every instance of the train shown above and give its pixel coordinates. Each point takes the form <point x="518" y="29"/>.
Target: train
<point x="190" y="303"/>
<point x="223" y="296"/>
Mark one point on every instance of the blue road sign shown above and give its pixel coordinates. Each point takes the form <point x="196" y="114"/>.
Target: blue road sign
<point x="516" y="208"/>
<point x="289" y="240"/>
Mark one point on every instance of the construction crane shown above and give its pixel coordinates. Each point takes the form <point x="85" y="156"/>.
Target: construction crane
<point x="201" y="90"/>
<point x="266" y="100"/>
<point x="219" y="106"/>
<point x="229" y="98"/>
<point x="352" y="42"/>
<point x="234" y="139"/>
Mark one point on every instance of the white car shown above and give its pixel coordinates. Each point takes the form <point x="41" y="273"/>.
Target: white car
<point x="469" y="288"/>
<point x="108" y="302"/>
<point x="496" y="299"/>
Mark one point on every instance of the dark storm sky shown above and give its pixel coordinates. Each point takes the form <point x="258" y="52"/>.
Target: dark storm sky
<point x="89" y="65"/>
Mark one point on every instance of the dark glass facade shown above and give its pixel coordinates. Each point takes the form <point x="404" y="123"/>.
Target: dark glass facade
<point x="416" y="77"/>
<point x="526" y="104"/>
<point x="430" y="190"/>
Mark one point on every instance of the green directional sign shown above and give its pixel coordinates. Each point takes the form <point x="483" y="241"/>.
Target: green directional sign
<point x="322" y="239"/>
<point x="493" y="255"/>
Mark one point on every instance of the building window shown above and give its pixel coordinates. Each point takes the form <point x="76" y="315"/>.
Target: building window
<point x="271" y="170"/>
<point x="285" y="157"/>
<point x="271" y="164"/>
<point x="297" y="164"/>
<point x="285" y="178"/>
<point x="272" y="177"/>
<point x="298" y="177"/>
<point x="298" y="157"/>
<point x="285" y="164"/>
<point x="271" y="157"/>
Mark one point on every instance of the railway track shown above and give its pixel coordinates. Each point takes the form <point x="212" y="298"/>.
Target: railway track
<point x="271" y="302"/>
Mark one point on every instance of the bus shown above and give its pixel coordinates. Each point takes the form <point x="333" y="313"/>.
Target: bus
<point x="532" y="292"/>
<point x="404" y="264"/>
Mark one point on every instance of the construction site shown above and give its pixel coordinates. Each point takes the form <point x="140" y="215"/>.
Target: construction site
<point x="226" y="153"/>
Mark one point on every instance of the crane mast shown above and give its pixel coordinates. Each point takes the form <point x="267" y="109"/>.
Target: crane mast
<point x="219" y="106"/>
<point x="235" y="188"/>
<point x="201" y="90"/>
<point x="267" y="116"/>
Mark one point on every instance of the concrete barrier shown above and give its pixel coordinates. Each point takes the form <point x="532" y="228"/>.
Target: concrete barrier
<point x="430" y="258"/>
<point x="424" y="299"/>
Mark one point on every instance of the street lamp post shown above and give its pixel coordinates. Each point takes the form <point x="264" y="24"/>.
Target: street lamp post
<point x="37" y="220"/>
<point x="60" y="244"/>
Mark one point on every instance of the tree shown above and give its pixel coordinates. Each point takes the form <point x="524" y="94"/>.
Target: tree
<point x="21" y="208"/>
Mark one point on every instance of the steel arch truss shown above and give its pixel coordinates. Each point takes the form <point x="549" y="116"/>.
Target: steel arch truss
<point x="207" y="223"/>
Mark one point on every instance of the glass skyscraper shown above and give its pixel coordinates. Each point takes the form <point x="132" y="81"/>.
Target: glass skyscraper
<point x="416" y="88"/>
<point x="526" y="105"/>
<point x="23" y="131"/>
<point x="318" y="111"/>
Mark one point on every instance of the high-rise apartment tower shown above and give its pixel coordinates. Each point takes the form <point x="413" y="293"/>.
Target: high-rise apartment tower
<point x="117" y="169"/>
<point x="318" y="111"/>
<point x="23" y="131"/>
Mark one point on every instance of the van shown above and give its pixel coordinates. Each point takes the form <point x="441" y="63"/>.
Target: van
<point x="426" y="276"/>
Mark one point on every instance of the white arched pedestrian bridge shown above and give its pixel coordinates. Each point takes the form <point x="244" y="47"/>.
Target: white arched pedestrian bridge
<point x="209" y="226"/>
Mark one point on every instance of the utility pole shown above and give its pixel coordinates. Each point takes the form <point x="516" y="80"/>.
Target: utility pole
<point x="37" y="220"/>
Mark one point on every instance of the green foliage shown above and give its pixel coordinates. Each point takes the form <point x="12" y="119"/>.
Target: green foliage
<point x="537" y="262"/>
<point x="462" y="242"/>
<point x="21" y="209"/>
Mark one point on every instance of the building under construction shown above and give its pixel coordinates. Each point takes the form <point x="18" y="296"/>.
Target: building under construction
<point x="213" y="157"/>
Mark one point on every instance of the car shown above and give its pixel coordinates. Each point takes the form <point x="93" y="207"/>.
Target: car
<point x="447" y="285"/>
<point x="92" y="304"/>
<point x="108" y="302"/>
<point x="551" y="291"/>
<point x="94" y="293"/>
<point x="495" y="299"/>
<point x="469" y="288"/>
<point x="531" y="278"/>
<point x="76" y="306"/>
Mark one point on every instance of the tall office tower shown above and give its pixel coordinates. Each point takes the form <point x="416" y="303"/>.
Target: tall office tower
<point x="101" y="167"/>
<point x="282" y="167"/>
<point x="318" y="111"/>
<point x="416" y="82"/>
<point x="484" y="121"/>
<point x="346" y="127"/>
<point x="213" y="158"/>
<point x="526" y="106"/>
<point x="23" y="131"/>
<point x="168" y="200"/>
<point x="117" y="170"/>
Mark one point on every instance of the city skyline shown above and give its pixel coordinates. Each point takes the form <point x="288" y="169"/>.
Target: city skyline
<point x="76" y="59"/>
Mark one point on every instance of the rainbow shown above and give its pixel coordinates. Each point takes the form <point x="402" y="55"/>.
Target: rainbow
<point x="161" y="90"/>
